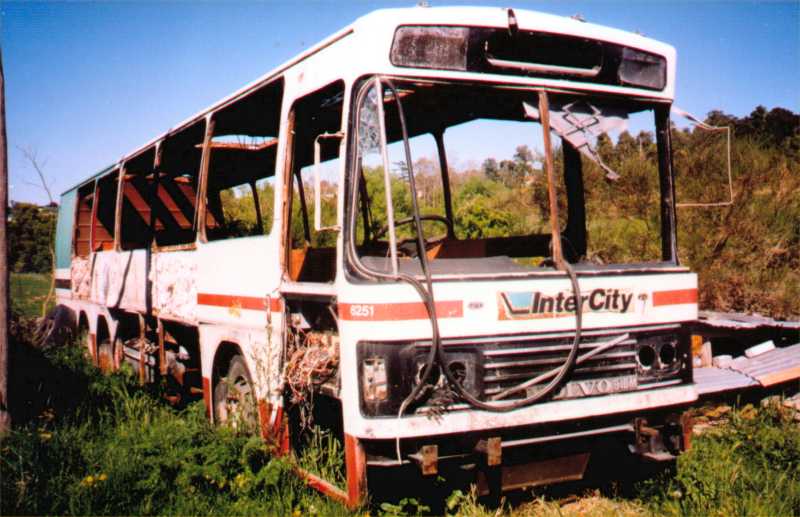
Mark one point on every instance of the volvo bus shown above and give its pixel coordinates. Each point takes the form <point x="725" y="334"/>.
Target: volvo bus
<point x="416" y="236"/>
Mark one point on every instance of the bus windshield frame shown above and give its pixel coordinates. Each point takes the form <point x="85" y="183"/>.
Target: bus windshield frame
<point x="392" y="259"/>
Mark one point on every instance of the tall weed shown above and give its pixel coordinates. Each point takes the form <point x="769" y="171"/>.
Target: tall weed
<point x="100" y="445"/>
<point x="751" y="466"/>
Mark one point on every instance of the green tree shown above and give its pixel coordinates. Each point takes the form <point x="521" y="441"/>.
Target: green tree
<point x="31" y="230"/>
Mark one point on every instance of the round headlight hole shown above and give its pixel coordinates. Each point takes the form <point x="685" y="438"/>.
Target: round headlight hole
<point x="458" y="370"/>
<point x="433" y="378"/>
<point x="667" y="354"/>
<point x="647" y="356"/>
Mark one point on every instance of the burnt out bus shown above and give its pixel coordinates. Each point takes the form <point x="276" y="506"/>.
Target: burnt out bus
<point x="410" y="236"/>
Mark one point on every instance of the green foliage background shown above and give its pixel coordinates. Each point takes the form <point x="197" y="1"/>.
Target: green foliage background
<point x="31" y="233"/>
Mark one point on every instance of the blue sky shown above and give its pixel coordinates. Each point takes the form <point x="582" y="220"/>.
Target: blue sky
<point x="89" y="82"/>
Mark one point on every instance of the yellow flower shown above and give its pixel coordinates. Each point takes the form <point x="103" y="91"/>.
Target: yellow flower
<point x="88" y="481"/>
<point x="102" y="477"/>
<point x="45" y="435"/>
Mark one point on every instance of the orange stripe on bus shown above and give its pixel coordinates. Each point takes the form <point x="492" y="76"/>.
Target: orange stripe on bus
<point x="676" y="297"/>
<point x="253" y="303"/>
<point x="276" y="305"/>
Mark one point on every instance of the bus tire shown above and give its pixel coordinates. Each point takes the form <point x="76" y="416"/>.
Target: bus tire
<point x="234" y="397"/>
<point x="105" y="349"/>
<point x="84" y="338"/>
<point x="118" y="352"/>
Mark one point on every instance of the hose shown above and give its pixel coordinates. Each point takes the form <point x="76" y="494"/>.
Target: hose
<point x="437" y="352"/>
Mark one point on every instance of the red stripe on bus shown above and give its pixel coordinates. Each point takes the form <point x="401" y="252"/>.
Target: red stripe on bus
<point x="253" y="303"/>
<point x="276" y="305"/>
<point x="398" y="311"/>
<point x="675" y="297"/>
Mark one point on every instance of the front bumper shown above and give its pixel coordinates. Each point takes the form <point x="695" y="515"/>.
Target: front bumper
<point x="471" y="420"/>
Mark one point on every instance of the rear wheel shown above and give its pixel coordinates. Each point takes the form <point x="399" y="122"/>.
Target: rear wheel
<point x="105" y="355"/>
<point x="84" y="341"/>
<point x="234" y="398"/>
<point x="118" y="352"/>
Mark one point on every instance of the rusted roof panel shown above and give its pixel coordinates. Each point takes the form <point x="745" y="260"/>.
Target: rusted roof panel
<point x="711" y="380"/>
<point x="735" y="320"/>
<point x="765" y="370"/>
<point x="773" y="367"/>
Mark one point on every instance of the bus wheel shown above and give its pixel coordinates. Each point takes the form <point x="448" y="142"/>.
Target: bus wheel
<point x="119" y="352"/>
<point x="84" y="340"/>
<point x="105" y="354"/>
<point x="234" y="398"/>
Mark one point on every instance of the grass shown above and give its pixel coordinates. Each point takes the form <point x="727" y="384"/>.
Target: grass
<point x="28" y="291"/>
<point x="750" y="466"/>
<point x="93" y="444"/>
<point x="97" y="444"/>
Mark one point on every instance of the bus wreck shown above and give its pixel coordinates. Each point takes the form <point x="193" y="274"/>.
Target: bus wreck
<point x="282" y="256"/>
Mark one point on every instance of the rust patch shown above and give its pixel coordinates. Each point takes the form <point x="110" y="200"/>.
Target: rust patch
<point x="687" y="426"/>
<point x="322" y="486"/>
<point x="93" y="348"/>
<point x="207" y="395"/>
<point x="356" y="463"/>
<point x="105" y="359"/>
<point x="264" y="410"/>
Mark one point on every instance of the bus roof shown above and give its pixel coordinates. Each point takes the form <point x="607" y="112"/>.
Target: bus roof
<point x="384" y="21"/>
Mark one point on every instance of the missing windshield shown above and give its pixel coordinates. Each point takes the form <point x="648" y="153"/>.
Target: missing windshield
<point x="478" y="161"/>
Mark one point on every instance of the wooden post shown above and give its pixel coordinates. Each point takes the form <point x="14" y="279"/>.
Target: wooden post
<point x="5" y="416"/>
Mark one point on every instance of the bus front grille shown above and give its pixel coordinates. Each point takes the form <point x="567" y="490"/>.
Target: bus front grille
<point x="507" y="365"/>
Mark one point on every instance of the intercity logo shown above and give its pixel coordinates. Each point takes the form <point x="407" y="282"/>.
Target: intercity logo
<point x="535" y="304"/>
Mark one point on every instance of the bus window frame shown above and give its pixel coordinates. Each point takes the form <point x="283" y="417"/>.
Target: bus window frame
<point x="291" y="173"/>
<point x="355" y="270"/>
<point x="76" y="215"/>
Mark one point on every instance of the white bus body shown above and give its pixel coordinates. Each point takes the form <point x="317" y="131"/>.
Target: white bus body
<point x="165" y="283"/>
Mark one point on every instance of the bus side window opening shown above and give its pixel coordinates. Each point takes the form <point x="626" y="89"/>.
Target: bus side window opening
<point x="83" y="220"/>
<point x="240" y="189"/>
<point x="312" y="254"/>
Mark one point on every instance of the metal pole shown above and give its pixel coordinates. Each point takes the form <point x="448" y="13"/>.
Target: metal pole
<point x="386" y="178"/>
<point x="544" y="114"/>
<point x="448" y="203"/>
